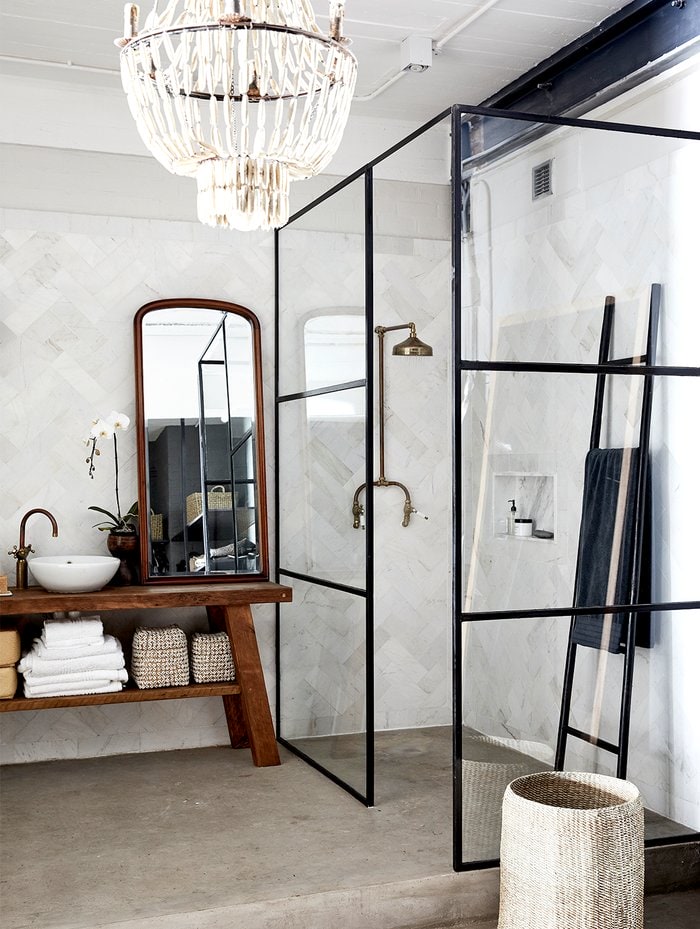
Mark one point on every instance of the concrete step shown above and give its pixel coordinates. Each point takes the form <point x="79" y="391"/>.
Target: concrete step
<point x="465" y="900"/>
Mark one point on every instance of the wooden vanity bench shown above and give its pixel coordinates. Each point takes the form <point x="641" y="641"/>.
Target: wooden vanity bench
<point x="228" y="606"/>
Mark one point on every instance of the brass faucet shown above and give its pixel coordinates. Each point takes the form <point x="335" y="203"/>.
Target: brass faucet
<point x="21" y="552"/>
<point x="358" y="509"/>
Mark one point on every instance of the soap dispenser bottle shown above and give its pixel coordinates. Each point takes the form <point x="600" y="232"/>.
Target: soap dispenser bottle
<point x="511" y="518"/>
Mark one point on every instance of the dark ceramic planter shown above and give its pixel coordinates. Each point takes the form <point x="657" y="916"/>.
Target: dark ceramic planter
<point x="125" y="547"/>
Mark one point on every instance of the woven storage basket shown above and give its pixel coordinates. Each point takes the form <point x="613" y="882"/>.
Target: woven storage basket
<point x="572" y="853"/>
<point x="217" y="499"/>
<point x="157" y="527"/>
<point x="159" y="658"/>
<point x="211" y="657"/>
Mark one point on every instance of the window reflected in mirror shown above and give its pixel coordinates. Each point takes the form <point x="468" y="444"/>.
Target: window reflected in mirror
<point x="201" y="441"/>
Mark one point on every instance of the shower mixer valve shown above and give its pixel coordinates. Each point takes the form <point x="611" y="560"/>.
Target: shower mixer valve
<point x="358" y="510"/>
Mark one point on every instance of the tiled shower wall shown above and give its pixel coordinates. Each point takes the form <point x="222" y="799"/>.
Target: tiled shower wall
<point x="621" y="217"/>
<point x="322" y="464"/>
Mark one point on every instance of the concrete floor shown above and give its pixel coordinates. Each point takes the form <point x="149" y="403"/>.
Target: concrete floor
<point x="200" y="839"/>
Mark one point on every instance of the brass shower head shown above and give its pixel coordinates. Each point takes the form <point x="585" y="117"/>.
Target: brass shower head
<point x="412" y="346"/>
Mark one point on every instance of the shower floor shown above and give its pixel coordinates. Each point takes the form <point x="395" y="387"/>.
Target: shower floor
<point x="200" y="839"/>
<point x="488" y="768"/>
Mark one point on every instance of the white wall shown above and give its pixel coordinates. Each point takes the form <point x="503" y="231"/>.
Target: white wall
<point x="60" y="143"/>
<point x="70" y="287"/>
<point x="70" y="284"/>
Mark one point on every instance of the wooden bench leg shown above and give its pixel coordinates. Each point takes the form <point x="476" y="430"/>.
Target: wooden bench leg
<point x="248" y="717"/>
<point x="233" y="710"/>
<point x="236" y="723"/>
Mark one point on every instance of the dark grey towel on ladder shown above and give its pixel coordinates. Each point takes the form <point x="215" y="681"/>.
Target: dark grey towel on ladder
<point x="605" y="563"/>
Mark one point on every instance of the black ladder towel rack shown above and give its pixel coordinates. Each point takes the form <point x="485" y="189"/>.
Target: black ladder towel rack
<point x="639" y="524"/>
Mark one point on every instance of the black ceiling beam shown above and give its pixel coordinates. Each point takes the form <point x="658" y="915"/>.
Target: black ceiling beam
<point x="589" y="70"/>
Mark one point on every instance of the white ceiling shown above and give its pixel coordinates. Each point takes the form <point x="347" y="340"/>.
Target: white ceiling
<point x="501" y="40"/>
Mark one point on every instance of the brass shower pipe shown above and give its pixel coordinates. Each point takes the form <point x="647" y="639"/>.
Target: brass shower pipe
<point x="410" y="347"/>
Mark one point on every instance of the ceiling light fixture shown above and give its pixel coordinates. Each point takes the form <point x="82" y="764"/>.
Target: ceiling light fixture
<point x="243" y="95"/>
<point x="416" y="53"/>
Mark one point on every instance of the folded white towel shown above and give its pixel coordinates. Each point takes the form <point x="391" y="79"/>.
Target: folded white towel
<point x="102" y="646"/>
<point x="71" y="643"/>
<point x="59" y="631"/>
<point x="74" y="677"/>
<point x="112" y="661"/>
<point x="69" y="690"/>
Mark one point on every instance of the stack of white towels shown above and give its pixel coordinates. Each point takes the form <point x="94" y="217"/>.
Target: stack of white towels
<point x="73" y="656"/>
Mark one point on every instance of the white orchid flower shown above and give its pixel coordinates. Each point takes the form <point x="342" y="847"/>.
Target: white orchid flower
<point x="101" y="429"/>
<point x="118" y="421"/>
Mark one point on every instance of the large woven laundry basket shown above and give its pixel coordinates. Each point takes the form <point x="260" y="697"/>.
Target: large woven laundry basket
<point x="572" y="853"/>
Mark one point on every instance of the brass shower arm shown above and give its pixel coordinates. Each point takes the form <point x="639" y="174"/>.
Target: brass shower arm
<point x="380" y="330"/>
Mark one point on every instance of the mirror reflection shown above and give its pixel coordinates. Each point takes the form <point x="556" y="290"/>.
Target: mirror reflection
<point x="201" y="450"/>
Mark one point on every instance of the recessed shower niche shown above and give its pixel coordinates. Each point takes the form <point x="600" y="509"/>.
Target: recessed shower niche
<point x="535" y="499"/>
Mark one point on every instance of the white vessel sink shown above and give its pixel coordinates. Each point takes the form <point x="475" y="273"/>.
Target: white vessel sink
<point x="73" y="574"/>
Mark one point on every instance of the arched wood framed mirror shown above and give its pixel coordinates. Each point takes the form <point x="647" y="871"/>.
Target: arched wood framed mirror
<point x="201" y="448"/>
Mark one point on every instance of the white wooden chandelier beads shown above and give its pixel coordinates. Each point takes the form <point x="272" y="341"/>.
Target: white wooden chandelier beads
<point x="245" y="97"/>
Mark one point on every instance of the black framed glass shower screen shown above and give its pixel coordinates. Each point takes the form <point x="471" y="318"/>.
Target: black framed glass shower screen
<point x="325" y="665"/>
<point x="510" y="718"/>
<point x="533" y="274"/>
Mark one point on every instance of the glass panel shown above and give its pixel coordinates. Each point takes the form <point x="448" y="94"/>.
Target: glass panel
<point x="528" y="437"/>
<point x="412" y="282"/>
<point x="510" y="668"/>
<point x="323" y="668"/>
<point x="537" y="263"/>
<point x="322" y="656"/>
<point x="334" y="353"/>
<point x="321" y="467"/>
<point x="513" y="677"/>
<point x="322" y="294"/>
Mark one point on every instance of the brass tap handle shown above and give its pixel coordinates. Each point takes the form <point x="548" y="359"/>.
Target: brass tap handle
<point x="21" y="553"/>
<point x="357" y="511"/>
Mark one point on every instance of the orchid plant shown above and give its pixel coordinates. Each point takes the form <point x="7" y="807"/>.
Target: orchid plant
<point x="111" y="426"/>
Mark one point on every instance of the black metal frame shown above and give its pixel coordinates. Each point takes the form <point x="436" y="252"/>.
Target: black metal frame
<point x="368" y="592"/>
<point x="538" y="123"/>
<point x="637" y="42"/>
<point x="460" y="365"/>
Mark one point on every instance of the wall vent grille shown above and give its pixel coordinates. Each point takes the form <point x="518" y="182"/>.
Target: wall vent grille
<point x="542" y="180"/>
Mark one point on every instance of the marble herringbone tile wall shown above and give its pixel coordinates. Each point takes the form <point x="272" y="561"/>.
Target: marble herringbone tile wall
<point x="615" y="224"/>
<point x="70" y="286"/>
<point x="322" y="463"/>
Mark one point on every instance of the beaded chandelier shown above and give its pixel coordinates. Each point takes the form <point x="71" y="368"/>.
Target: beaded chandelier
<point x="243" y="95"/>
